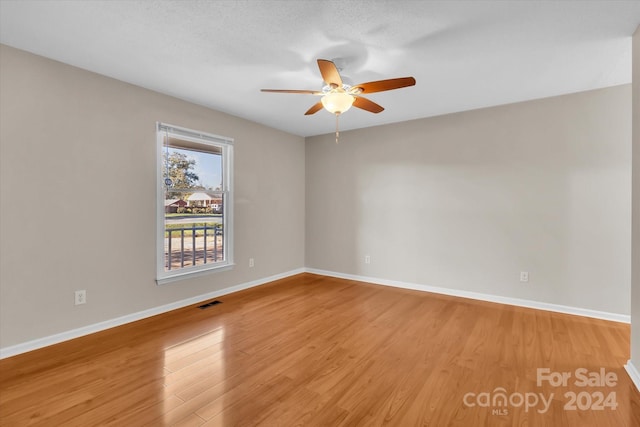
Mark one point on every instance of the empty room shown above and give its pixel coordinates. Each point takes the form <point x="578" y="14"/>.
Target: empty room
<point x="319" y="213"/>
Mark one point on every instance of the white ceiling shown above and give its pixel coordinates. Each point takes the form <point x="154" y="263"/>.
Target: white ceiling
<point x="463" y="54"/>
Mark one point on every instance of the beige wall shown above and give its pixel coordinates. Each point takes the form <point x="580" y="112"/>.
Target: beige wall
<point x="78" y="161"/>
<point x="466" y="201"/>
<point x="635" y="283"/>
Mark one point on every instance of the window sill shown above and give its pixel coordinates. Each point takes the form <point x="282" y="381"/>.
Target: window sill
<point x="192" y="274"/>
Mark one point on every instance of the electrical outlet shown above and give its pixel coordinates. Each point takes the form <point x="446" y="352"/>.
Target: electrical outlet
<point x="81" y="297"/>
<point x="251" y="263"/>
<point x="524" y="276"/>
<point x="367" y="259"/>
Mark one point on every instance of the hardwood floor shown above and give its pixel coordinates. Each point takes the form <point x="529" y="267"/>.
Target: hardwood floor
<point x="316" y="351"/>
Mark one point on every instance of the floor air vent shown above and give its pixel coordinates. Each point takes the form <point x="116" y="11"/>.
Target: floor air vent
<point x="209" y="304"/>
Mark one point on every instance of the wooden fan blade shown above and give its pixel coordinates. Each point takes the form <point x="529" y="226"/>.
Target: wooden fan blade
<point x="382" y="85"/>
<point x="330" y="73"/>
<point x="365" y="104"/>
<point x="316" y="107"/>
<point x="310" y="92"/>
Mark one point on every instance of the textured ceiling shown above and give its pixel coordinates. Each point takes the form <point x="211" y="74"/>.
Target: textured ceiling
<point x="463" y="54"/>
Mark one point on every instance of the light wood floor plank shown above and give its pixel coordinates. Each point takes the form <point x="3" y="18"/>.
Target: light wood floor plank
<point x="318" y="351"/>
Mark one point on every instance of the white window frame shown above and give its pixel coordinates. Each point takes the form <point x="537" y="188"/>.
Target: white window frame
<point x="226" y="145"/>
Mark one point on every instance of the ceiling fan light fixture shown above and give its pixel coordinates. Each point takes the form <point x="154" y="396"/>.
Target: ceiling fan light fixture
<point x="337" y="102"/>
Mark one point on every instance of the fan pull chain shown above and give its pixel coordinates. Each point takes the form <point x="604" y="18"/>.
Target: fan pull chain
<point x="337" y="131"/>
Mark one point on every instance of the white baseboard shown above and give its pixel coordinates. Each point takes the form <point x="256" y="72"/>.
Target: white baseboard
<point x="97" y="327"/>
<point x="634" y="373"/>
<point x="615" y="317"/>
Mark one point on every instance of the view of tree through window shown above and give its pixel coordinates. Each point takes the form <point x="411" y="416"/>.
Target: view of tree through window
<point x="195" y="192"/>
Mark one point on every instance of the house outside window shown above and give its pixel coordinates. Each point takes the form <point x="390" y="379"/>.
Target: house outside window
<point x="195" y="200"/>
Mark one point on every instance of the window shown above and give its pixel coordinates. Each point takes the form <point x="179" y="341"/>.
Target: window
<point x="195" y="202"/>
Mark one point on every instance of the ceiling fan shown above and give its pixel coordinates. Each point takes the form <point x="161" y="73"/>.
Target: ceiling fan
<point x="338" y="97"/>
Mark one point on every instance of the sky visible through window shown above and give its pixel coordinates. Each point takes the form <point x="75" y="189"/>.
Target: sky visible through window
<point x="208" y="167"/>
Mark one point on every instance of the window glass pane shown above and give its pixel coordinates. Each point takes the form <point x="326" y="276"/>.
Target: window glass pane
<point x="193" y="239"/>
<point x="189" y="169"/>
<point x="194" y="205"/>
